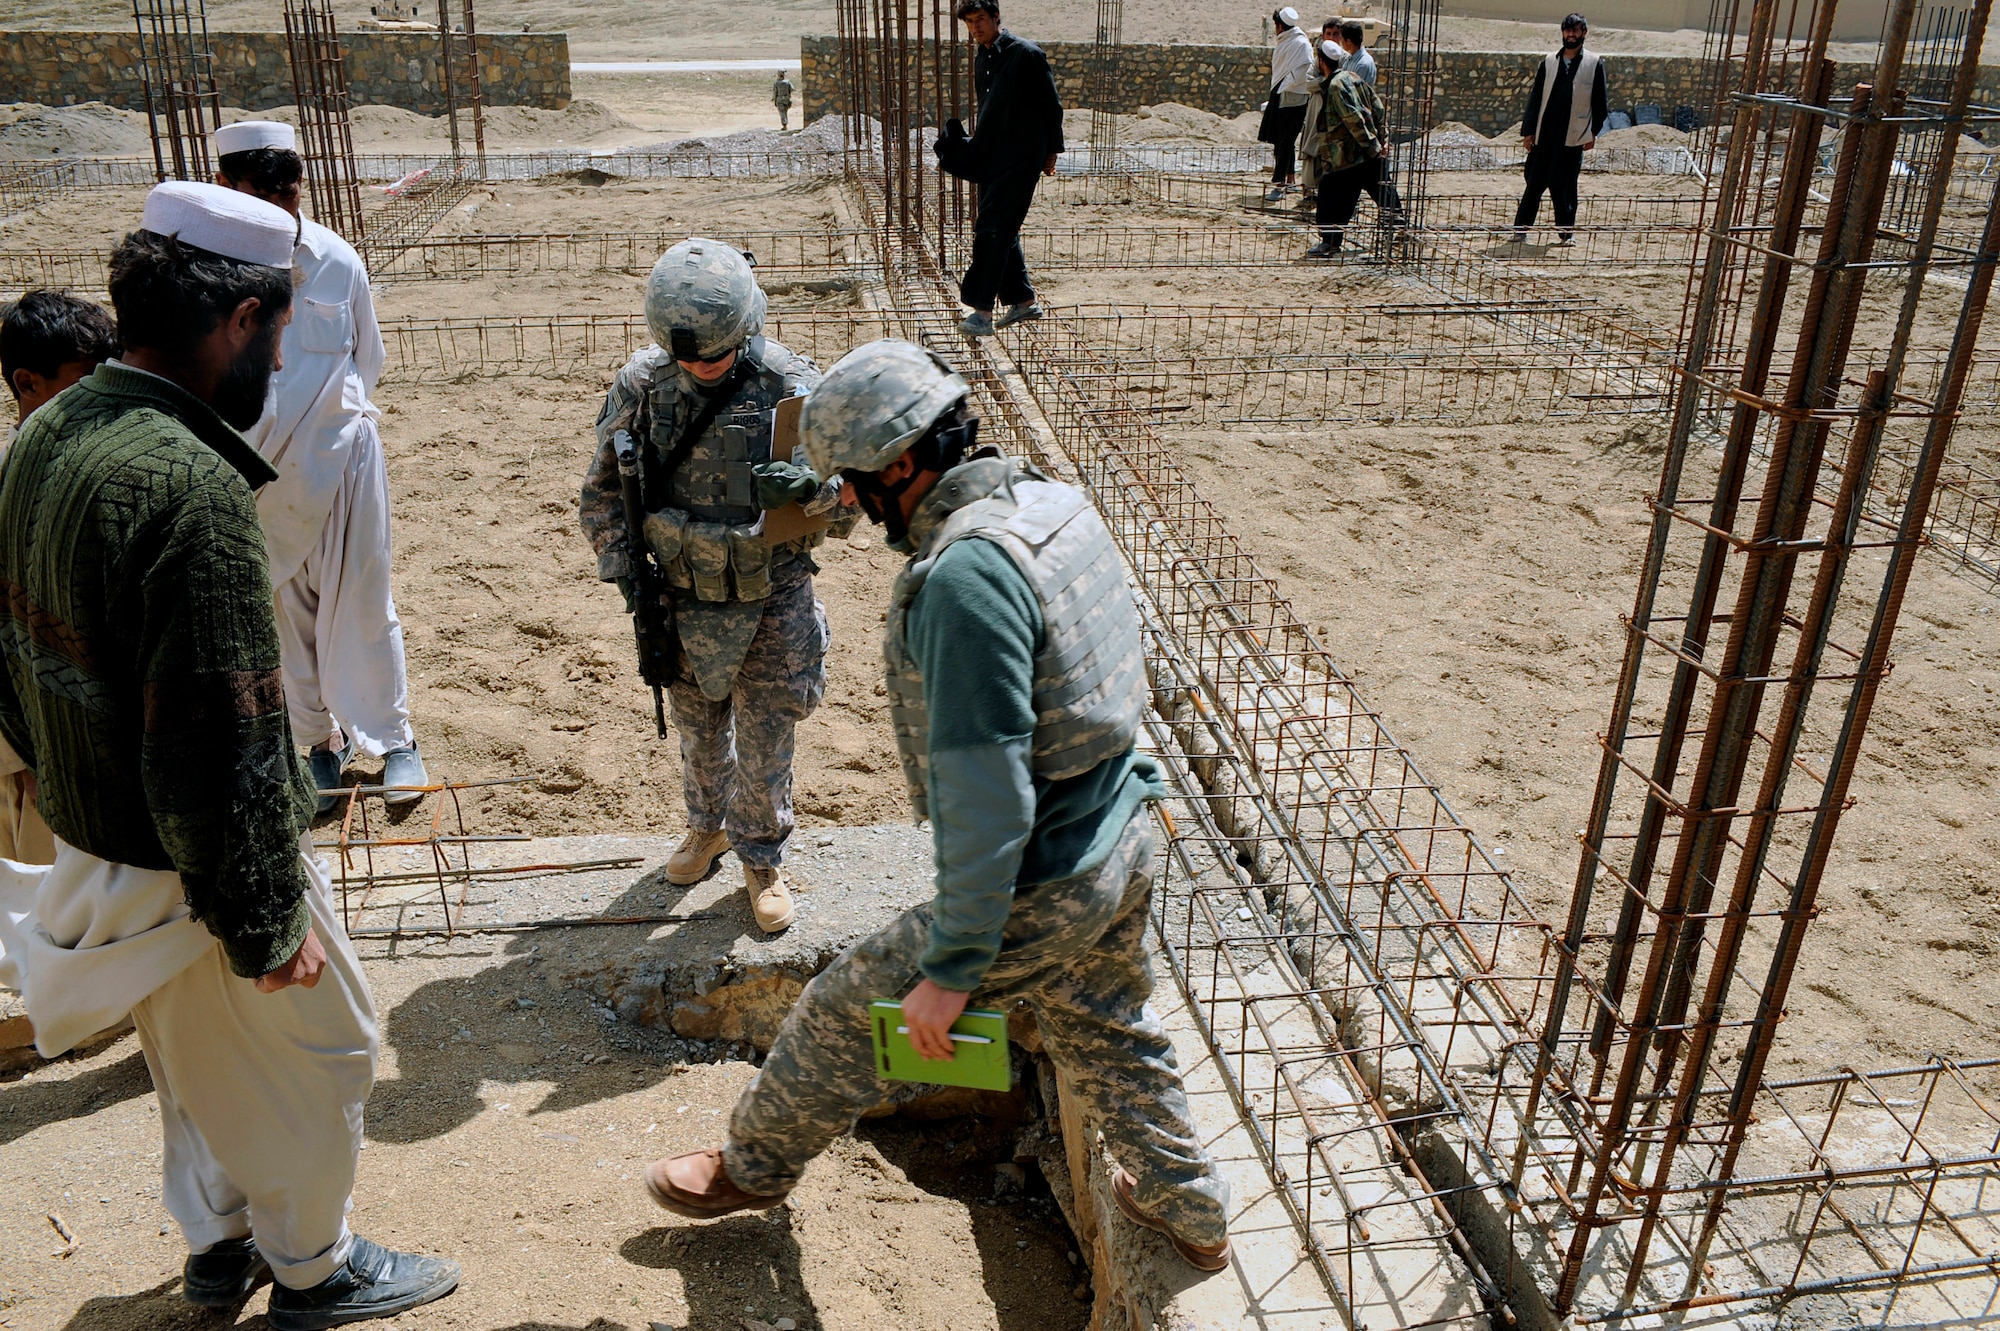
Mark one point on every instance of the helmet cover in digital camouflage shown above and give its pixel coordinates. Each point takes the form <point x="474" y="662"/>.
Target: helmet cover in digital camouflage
<point x="874" y="403"/>
<point x="702" y="300"/>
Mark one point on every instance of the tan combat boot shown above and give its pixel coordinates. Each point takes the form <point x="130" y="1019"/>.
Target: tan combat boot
<point x="770" y="897"/>
<point x="691" y="862"/>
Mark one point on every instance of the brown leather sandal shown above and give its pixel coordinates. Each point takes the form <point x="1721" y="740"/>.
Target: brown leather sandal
<point x="696" y="1185"/>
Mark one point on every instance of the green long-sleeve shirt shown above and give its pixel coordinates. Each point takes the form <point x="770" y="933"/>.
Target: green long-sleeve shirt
<point x="973" y="631"/>
<point x="140" y="653"/>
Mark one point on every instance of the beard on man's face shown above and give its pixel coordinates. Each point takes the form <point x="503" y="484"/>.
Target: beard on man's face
<point x="239" y="397"/>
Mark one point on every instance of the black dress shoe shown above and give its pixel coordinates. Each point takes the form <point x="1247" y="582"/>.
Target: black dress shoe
<point x="223" y="1276"/>
<point x="376" y="1282"/>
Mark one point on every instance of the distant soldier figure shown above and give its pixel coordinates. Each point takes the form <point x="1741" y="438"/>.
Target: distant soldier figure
<point x="1016" y="684"/>
<point x="753" y="638"/>
<point x="781" y="97"/>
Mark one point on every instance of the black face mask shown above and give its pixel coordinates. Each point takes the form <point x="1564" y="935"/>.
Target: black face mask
<point x="882" y="501"/>
<point x="239" y="397"/>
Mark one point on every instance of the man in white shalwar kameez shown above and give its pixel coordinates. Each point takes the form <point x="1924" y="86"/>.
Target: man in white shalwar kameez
<point x="140" y="681"/>
<point x="326" y="517"/>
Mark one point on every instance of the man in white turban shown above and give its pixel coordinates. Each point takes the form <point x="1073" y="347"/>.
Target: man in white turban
<point x="326" y="517"/>
<point x="139" y="680"/>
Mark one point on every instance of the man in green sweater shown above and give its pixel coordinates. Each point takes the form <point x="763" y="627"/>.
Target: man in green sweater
<point x="1016" y="684"/>
<point x="139" y="682"/>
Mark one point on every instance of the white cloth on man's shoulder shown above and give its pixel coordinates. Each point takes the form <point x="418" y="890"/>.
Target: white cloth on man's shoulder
<point x="98" y="938"/>
<point x="1292" y="70"/>
<point x="333" y="356"/>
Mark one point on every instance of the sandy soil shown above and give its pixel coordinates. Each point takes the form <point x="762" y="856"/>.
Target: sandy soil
<point x="511" y="1138"/>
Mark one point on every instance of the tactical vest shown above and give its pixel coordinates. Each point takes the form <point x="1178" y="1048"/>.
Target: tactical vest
<point x="702" y="521"/>
<point x="1089" y="676"/>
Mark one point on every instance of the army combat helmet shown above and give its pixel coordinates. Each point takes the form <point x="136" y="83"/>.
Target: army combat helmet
<point x="877" y="403"/>
<point x="702" y="300"/>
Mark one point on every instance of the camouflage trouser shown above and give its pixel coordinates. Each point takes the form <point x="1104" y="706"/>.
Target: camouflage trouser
<point x="1074" y="949"/>
<point x="736" y="755"/>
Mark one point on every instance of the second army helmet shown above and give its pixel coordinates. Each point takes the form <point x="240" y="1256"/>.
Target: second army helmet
<point x="702" y="300"/>
<point x="874" y="403"/>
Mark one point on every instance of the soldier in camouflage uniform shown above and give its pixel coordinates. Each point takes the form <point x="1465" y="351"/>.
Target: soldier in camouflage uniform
<point x="1016" y="683"/>
<point x="781" y="97"/>
<point x="753" y="637"/>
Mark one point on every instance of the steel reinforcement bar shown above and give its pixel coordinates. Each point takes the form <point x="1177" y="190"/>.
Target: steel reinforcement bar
<point x="582" y="345"/>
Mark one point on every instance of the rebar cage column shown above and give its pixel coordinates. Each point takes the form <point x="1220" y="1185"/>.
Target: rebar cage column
<point x="326" y="124"/>
<point x="177" y="77"/>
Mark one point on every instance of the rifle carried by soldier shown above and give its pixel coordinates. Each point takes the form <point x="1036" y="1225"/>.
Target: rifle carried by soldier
<point x="652" y="618"/>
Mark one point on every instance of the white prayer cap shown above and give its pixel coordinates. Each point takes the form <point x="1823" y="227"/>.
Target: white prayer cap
<point x="1333" y="51"/>
<point x="222" y="221"/>
<point x="1290" y="16"/>
<point x="244" y="135"/>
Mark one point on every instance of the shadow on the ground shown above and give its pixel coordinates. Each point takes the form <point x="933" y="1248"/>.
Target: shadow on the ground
<point x="712" y="1258"/>
<point x="1020" y="1233"/>
<point x="159" y="1306"/>
<point x="24" y="1108"/>
<point x="432" y="1095"/>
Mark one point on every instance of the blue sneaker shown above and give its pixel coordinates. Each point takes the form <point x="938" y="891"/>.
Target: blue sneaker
<point x="403" y="767"/>
<point x="376" y="1282"/>
<point x="326" y="765"/>
<point x="223" y="1276"/>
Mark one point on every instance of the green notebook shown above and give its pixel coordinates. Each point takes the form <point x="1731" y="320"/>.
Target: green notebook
<point x="979" y="1049"/>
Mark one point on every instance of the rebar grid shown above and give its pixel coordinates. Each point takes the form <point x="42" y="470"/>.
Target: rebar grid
<point x="326" y="121"/>
<point x="177" y="76"/>
<point x="591" y="346"/>
<point x="817" y="254"/>
<point x="1329" y="1079"/>
<point x="420" y="199"/>
<point x="1368" y="363"/>
<point x="23" y="189"/>
<point x="1656" y="981"/>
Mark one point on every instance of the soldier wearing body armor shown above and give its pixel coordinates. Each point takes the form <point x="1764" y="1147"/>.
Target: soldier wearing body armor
<point x="732" y="532"/>
<point x="1016" y="683"/>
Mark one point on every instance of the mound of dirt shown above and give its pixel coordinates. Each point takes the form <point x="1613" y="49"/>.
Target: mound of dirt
<point x="1172" y="120"/>
<point x="90" y="129"/>
<point x="1454" y="134"/>
<point x="580" y="120"/>
<point x="1643" y="136"/>
<point x="823" y="135"/>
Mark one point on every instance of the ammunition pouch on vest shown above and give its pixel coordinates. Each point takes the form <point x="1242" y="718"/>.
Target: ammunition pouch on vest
<point x="715" y="561"/>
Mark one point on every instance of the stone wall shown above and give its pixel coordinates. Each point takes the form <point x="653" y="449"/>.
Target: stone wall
<point x="1486" y="90"/>
<point x="252" y="71"/>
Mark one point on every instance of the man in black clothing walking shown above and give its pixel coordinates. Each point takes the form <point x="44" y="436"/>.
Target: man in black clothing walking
<point x="1559" y="126"/>
<point x="1017" y="138"/>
